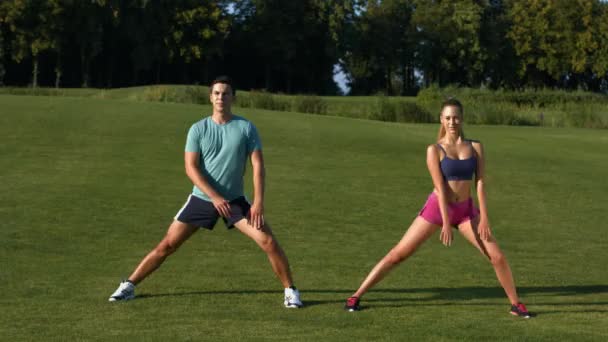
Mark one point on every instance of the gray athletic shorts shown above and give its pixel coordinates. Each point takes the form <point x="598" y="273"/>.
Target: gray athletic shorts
<point x="201" y="213"/>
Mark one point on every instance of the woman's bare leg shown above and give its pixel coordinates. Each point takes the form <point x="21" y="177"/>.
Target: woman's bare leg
<point x="491" y="250"/>
<point x="419" y="231"/>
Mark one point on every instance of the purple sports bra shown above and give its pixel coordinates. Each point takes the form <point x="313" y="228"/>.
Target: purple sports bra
<point x="457" y="169"/>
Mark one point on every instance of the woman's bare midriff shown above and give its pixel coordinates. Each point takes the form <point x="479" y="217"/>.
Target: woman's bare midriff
<point x="457" y="190"/>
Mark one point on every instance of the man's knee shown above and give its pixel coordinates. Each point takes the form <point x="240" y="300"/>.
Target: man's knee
<point x="166" y="248"/>
<point x="268" y="244"/>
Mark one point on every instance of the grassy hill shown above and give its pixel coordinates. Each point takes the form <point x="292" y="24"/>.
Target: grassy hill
<point x="90" y="185"/>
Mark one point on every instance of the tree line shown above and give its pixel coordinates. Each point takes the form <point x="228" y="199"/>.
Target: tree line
<point x="393" y="47"/>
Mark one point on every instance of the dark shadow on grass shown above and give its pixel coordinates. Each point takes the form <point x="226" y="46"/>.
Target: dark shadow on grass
<point x="453" y="295"/>
<point x="553" y="312"/>
<point x="478" y="292"/>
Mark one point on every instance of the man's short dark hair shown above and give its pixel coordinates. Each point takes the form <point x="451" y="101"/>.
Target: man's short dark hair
<point x="222" y="79"/>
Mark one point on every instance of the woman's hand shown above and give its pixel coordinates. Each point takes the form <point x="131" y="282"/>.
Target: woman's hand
<point x="446" y="235"/>
<point x="484" y="230"/>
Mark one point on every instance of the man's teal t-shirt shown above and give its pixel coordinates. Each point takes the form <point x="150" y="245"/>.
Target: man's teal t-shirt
<point x="224" y="150"/>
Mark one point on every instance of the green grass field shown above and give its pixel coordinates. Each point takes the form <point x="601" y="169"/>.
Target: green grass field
<point x="90" y="185"/>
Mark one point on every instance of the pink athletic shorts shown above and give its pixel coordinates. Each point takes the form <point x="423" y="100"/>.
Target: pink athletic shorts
<point x="457" y="212"/>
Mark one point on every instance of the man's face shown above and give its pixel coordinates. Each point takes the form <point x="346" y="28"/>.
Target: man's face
<point x="221" y="97"/>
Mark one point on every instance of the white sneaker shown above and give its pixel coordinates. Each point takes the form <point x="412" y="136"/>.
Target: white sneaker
<point x="125" y="291"/>
<point x="292" y="298"/>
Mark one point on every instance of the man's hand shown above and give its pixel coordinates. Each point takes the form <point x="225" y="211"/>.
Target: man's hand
<point x="222" y="206"/>
<point x="256" y="216"/>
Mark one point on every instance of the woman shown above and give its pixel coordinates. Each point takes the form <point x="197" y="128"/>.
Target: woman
<point x="451" y="163"/>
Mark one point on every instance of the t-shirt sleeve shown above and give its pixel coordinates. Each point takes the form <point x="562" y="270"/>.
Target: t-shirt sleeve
<point x="193" y="139"/>
<point x="253" y="140"/>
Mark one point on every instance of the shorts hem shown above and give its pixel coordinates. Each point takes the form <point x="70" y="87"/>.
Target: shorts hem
<point x="429" y="221"/>
<point x="193" y="224"/>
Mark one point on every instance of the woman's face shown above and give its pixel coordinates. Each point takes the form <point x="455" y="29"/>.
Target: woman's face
<point x="451" y="119"/>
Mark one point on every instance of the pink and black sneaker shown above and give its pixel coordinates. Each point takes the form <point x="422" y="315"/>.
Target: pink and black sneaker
<point x="352" y="304"/>
<point x="520" y="310"/>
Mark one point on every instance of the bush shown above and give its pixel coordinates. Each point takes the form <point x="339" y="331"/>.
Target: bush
<point x="187" y="94"/>
<point x="309" y="104"/>
<point x="157" y="94"/>
<point x="398" y="111"/>
<point x="585" y="119"/>
<point x="196" y="94"/>
<point x="482" y="106"/>
<point x="264" y="100"/>
<point x="432" y="96"/>
<point x="430" y="99"/>
<point x="32" y="91"/>
<point x="411" y="112"/>
<point x="382" y="110"/>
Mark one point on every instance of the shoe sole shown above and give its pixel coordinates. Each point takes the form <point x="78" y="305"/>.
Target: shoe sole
<point x="112" y="299"/>
<point x="518" y="315"/>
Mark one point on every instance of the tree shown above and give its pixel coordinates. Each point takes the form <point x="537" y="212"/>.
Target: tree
<point x="2" y="43"/>
<point x="29" y="21"/>
<point x="599" y="57"/>
<point x="197" y="32"/>
<point x="286" y="46"/>
<point x="149" y="35"/>
<point x="58" y="35"/>
<point x="588" y="52"/>
<point x="332" y="25"/>
<point x="560" y="38"/>
<point x="379" y="53"/>
<point x="2" y="70"/>
<point x="449" y="47"/>
<point x="501" y="64"/>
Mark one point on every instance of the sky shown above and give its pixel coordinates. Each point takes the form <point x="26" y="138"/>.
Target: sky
<point x="340" y="79"/>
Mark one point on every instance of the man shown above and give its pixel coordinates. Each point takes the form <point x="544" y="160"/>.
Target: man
<point x="217" y="149"/>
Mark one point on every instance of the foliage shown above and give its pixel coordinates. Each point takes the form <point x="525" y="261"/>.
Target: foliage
<point x="561" y="40"/>
<point x="263" y="100"/>
<point x="309" y="104"/>
<point x="31" y="24"/>
<point x="187" y="94"/>
<point x="528" y="107"/>
<point x="394" y="47"/>
<point x="449" y="46"/>
<point x="2" y="52"/>
<point x="287" y="46"/>
<point x="482" y="106"/>
<point x="198" y="30"/>
<point x="398" y="111"/>
<point x="379" y="48"/>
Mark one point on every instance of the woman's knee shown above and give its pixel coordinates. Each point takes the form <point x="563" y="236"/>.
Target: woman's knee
<point x="497" y="258"/>
<point x="395" y="257"/>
